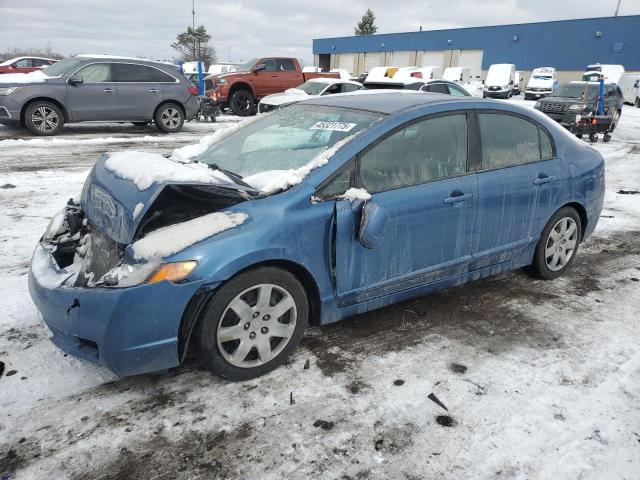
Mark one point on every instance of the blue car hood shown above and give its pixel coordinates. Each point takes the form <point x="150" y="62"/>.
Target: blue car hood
<point x="117" y="206"/>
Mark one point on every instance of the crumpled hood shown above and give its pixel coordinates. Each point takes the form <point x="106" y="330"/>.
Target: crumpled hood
<point x="123" y="186"/>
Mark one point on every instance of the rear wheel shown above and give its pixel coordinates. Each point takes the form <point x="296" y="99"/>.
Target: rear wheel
<point x="169" y="118"/>
<point x="253" y="323"/>
<point x="43" y="118"/>
<point x="558" y="244"/>
<point x="593" y="137"/>
<point x="242" y="103"/>
<point x="638" y="102"/>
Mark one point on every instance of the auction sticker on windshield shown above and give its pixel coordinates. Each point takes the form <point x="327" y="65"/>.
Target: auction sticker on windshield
<point x="333" y="126"/>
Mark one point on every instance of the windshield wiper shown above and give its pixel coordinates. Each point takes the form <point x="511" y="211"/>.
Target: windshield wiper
<point x="237" y="178"/>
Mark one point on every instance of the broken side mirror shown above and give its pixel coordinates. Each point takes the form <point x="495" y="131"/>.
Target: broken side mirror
<point x="373" y="223"/>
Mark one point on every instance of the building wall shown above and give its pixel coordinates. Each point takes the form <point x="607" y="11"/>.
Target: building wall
<point x="568" y="45"/>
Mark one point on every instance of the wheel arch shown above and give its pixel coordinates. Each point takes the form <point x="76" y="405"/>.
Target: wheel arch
<point x="57" y="103"/>
<point x="241" y="86"/>
<point x="582" y="213"/>
<point x="169" y="100"/>
<point x="200" y="300"/>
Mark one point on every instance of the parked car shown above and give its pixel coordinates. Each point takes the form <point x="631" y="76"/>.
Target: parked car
<point x="610" y="73"/>
<point x="321" y="210"/>
<point x="415" y="83"/>
<point x="500" y="81"/>
<point x="517" y="82"/>
<point x="460" y="75"/>
<point x="579" y="99"/>
<point x="542" y="83"/>
<point x="98" y="88"/>
<point x="629" y="84"/>
<point x="241" y="90"/>
<point x="25" y="64"/>
<point x="316" y="87"/>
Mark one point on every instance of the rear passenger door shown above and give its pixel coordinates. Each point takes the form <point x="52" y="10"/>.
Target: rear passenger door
<point x="94" y="99"/>
<point x="418" y="174"/>
<point x="139" y="90"/>
<point x="519" y="182"/>
<point x="288" y="75"/>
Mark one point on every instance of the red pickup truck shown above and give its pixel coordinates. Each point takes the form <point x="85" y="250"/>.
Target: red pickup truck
<point x="240" y="90"/>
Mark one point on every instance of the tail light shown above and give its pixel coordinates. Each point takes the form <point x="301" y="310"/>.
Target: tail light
<point x="193" y="90"/>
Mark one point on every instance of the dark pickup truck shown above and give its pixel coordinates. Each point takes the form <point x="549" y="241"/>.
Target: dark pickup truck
<point x="241" y="90"/>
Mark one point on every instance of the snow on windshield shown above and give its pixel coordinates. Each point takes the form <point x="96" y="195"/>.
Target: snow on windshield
<point x="168" y="240"/>
<point x="36" y="76"/>
<point x="145" y="169"/>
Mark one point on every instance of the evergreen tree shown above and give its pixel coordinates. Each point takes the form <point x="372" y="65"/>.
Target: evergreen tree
<point x="193" y="45"/>
<point x="366" y="26"/>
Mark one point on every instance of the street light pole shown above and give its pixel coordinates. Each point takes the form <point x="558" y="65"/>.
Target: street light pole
<point x="617" y="8"/>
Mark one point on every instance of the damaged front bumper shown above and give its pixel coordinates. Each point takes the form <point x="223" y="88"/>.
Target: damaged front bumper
<point x="129" y="330"/>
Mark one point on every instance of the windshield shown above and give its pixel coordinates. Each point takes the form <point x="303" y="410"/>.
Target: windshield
<point x="249" y="65"/>
<point x="62" y="67"/>
<point x="312" y="88"/>
<point x="288" y="138"/>
<point x="575" y="90"/>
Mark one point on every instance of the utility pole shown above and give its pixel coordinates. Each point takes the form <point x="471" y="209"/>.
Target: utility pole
<point x="617" y="8"/>
<point x="193" y="23"/>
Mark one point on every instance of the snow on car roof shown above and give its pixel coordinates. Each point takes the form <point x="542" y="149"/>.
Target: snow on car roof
<point x="118" y="57"/>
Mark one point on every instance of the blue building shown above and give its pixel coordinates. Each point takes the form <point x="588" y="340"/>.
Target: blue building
<point x="567" y="45"/>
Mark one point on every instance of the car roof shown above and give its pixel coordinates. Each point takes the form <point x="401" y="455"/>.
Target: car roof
<point x="387" y="102"/>
<point x="100" y="56"/>
<point x="330" y="80"/>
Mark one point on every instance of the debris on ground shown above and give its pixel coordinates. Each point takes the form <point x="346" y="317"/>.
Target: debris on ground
<point x="437" y="401"/>
<point x="323" y="424"/>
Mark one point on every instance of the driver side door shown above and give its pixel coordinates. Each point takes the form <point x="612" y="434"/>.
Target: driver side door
<point x="267" y="81"/>
<point x="419" y="175"/>
<point x="95" y="97"/>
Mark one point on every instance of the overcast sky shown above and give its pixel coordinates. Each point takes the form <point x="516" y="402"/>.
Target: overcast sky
<point x="249" y="28"/>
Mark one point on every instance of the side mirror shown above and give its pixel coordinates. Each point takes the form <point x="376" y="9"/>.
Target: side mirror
<point x="260" y="67"/>
<point x="373" y="224"/>
<point x="75" y="80"/>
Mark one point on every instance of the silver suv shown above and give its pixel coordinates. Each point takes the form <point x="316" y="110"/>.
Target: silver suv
<point x="98" y="88"/>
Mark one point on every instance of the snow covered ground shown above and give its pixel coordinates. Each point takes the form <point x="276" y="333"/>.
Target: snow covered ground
<point x="540" y="380"/>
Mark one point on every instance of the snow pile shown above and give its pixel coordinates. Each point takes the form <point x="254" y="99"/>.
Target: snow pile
<point x="356" y="194"/>
<point x="54" y="142"/>
<point x="138" y="208"/>
<point x="188" y="152"/>
<point x="171" y="239"/>
<point x="274" y="180"/>
<point x="145" y="169"/>
<point x="32" y="77"/>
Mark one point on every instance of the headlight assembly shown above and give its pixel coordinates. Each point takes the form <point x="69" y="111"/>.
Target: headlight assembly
<point x="9" y="90"/>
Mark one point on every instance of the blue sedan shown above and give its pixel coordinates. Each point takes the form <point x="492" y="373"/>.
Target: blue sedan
<point x="305" y="216"/>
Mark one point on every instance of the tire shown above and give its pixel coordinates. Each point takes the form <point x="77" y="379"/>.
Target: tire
<point x="242" y="103"/>
<point x="638" y="102"/>
<point x="579" y="135"/>
<point x="43" y="118"/>
<point x="141" y="124"/>
<point x="558" y="245"/>
<point x="615" y="119"/>
<point x="593" y="137"/>
<point x="169" y="117"/>
<point x="606" y="138"/>
<point x="228" y="357"/>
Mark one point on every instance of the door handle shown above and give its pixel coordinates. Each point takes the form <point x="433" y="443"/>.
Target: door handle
<point x="274" y="76"/>
<point x="542" y="179"/>
<point x="457" y="197"/>
<point x="153" y="90"/>
<point x="107" y="90"/>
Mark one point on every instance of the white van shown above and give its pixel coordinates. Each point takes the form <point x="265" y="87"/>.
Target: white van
<point x="611" y="73"/>
<point x="542" y="82"/>
<point x="629" y="83"/>
<point x="459" y="75"/>
<point x="500" y="80"/>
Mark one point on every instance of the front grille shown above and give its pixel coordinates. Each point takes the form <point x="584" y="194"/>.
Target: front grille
<point x="102" y="255"/>
<point x="555" y="107"/>
<point x="493" y="89"/>
<point x="539" y="89"/>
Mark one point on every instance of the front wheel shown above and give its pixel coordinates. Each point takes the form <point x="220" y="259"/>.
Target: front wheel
<point x="253" y="323"/>
<point x="43" y="118"/>
<point x="169" y="118"/>
<point x="242" y="103"/>
<point x="558" y="244"/>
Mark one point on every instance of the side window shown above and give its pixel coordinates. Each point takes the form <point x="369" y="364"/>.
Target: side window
<point x="24" y="63"/>
<point x="286" y="64"/>
<point x="349" y="87"/>
<point x="546" y="148"/>
<point x="96" y="73"/>
<point x="335" y="88"/>
<point x="338" y="185"/>
<point x="270" y="65"/>
<point x="507" y="140"/>
<point x="40" y="62"/>
<point x="457" y="91"/>
<point x="127" y="72"/>
<point x="422" y="152"/>
<point x="437" y="88"/>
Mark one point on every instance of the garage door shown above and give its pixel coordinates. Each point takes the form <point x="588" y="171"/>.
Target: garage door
<point x="471" y="59"/>
<point x="432" y="58"/>
<point x="401" y="59"/>
<point x="371" y="60"/>
<point x="347" y="61"/>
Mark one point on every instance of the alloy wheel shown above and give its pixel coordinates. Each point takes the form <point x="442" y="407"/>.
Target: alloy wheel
<point x="45" y="119"/>
<point x="256" y="325"/>
<point x="561" y="244"/>
<point x="170" y="117"/>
